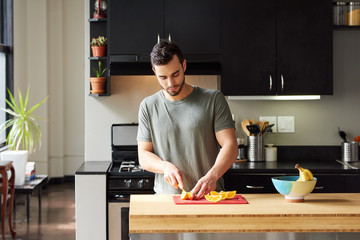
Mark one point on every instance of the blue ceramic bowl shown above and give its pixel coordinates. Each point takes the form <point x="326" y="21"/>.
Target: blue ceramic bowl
<point x="292" y="190"/>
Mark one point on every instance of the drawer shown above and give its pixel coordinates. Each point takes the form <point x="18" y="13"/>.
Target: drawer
<point x="250" y="183"/>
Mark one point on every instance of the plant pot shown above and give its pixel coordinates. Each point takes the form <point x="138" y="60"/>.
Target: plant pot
<point x="98" y="85"/>
<point x="98" y="51"/>
<point x="19" y="160"/>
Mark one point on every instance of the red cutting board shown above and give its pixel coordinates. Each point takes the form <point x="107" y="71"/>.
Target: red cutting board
<point x="238" y="199"/>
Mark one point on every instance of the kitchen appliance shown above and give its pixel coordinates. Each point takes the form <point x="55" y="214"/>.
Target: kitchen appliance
<point x="125" y="177"/>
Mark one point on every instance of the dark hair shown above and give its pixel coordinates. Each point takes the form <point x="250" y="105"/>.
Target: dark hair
<point x="163" y="52"/>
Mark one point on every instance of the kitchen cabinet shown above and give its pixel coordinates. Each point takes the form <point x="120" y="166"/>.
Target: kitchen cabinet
<point x="276" y="47"/>
<point x="261" y="182"/>
<point x="136" y="25"/>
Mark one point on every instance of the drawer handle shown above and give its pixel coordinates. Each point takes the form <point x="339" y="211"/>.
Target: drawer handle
<point x="270" y="83"/>
<point x="254" y="187"/>
<point x="320" y="187"/>
<point x="282" y="83"/>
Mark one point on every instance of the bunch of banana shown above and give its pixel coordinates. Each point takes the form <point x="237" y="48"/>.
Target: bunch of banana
<point x="305" y="174"/>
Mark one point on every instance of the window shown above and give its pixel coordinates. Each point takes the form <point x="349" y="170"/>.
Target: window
<point x="6" y="55"/>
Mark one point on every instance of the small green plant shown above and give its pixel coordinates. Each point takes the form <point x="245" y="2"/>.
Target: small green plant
<point x="99" y="72"/>
<point x="99" y="41"/>
<point x="25" y="129"/>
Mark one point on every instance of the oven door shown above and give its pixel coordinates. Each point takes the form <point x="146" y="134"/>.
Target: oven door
<point x="119" y="218"/>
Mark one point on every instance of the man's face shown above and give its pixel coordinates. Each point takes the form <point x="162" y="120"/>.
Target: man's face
<point x="171" y="76"/>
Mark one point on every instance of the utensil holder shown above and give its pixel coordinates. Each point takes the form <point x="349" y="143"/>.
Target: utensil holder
<point x="350" y="151"/>
<point x="255" y="148"/>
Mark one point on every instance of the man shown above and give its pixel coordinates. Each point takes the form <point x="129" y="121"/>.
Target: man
<point x="181" y="129"/>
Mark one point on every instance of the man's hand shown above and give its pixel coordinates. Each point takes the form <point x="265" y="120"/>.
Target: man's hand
<point x="204" y="186"/>
<point x="172" y="175"/>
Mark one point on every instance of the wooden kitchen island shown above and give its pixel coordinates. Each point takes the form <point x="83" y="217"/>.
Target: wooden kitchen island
<point x="321" y="212"/>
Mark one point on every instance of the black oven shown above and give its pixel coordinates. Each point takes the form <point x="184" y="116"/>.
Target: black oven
<point x="124" y="178"/>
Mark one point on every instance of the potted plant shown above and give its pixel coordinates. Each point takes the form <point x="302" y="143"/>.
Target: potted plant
<point x="98" y="82"/>
<point x="98" y="46"/>
<point x="25" y="133"/>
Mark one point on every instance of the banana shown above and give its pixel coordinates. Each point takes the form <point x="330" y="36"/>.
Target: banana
<point x="304" y="174"/>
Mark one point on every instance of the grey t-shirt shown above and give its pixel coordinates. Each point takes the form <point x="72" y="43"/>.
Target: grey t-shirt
<point x="183" y="133"/>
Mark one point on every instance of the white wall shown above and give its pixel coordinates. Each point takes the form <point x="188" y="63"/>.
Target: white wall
<point x="49" y="58"/>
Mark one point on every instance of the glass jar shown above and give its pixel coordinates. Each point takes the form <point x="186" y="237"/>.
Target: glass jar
<point x="339" y="13"/>
<point x="353" y="14"/>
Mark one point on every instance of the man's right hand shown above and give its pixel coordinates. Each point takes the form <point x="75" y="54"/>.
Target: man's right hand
<point x="173" y="175"/>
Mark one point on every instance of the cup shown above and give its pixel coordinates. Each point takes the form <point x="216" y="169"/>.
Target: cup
<point x="255" y="148"/>
<point x="350" y="151"/>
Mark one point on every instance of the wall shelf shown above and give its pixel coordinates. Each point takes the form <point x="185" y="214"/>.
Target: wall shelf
<point x="345" y="27"/>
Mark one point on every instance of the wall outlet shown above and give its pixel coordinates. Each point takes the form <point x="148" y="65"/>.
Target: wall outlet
<point x="271" y="120"/>
<point x="286" y="124"/>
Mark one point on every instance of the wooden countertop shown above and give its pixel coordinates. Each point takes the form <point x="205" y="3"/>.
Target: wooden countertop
<point x="321" y="212"/>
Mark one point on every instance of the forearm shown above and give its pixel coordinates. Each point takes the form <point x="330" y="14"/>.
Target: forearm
<point x="151" y="162"/>
<point x="224" y="160"/>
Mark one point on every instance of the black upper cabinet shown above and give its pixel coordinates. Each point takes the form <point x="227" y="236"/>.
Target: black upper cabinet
<point x="135" y="26"/>
<point x="276" y="47"/>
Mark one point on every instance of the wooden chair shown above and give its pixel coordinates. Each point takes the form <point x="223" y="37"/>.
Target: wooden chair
<point x="4" y="189"/>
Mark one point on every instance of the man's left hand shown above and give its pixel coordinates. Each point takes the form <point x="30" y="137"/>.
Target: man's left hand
<point x="204" y="186"/>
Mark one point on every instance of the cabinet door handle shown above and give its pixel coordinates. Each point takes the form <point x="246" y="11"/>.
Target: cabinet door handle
<point x="282" y="82"/>
<point x="158" y="38"/>
<point x="254" y="187"/>
<point x="320" y="187"/>
<point x="169" y="38"/>
<point x="270" y="83"/>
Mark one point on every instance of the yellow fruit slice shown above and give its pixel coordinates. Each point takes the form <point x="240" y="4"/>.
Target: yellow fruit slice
<point x="230" y="195"/>
<point x="213" y="198"/>
<point x="214" y="193"/>
<point x="223" y="195"/>
<point x="189" y="196"/>
<point x="184" y="195"/>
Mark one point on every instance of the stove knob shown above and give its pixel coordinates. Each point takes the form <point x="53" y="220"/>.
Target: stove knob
<point x="128" y="183"/>
<point x="141" y="183"/>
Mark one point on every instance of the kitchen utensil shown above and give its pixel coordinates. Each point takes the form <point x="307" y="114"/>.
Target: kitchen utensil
<point x="342" y="134"/>
<point x="255" y="148"/>
<point x="261" y="125"/>
<point x="254" y="129"/>
<point x="244" y="123"/>
<point x="294" y="191"/>
<point x="350" y="151"/>
<point x="267" y="129"/>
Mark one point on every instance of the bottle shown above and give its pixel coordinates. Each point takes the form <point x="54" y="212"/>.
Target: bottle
<point x="353" y="14"/>
<point x="339" y="13"/>
<point x="242" y="149"/>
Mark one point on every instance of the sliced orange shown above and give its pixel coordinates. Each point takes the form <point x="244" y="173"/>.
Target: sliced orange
<point x="222" y="194"/>
<point x="184" y="195"/>
<point x="189" y="196"/>
<point x="213" y="198"/>
<point x="230" y="195"/>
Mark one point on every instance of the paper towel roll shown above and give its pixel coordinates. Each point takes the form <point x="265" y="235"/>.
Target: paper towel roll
<point x="270" y="153"/>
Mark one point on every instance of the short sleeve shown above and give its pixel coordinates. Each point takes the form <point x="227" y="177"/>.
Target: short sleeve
<point x="223" y="118"/>
<point x="144" y="133"/>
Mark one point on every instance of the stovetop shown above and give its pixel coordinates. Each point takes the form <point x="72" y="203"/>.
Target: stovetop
<point x="128" y="169"/>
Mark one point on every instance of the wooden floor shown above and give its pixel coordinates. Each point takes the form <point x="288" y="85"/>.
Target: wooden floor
<point x="58" y="215"/>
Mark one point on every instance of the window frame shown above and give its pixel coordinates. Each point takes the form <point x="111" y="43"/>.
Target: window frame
<point x="7" y="46"/>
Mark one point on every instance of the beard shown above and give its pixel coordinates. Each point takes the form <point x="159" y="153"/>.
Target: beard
<point x="175" y="93"/>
